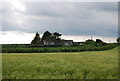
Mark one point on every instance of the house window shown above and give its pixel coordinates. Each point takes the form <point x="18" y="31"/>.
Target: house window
<point x="66" y="44"/>
<point x="52" y="43"/>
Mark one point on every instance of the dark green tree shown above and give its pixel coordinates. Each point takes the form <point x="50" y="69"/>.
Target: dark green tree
<point x="46" y="35"/>
<point x="118" y="40"/>
<point x="36" y="39"/>
<point x="99" y="41"/>
<point x="89" y="42"/>
<point x="57" y="36"/>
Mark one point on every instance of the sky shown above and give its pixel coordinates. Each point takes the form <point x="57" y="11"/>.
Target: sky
<point x="76" y="21"/>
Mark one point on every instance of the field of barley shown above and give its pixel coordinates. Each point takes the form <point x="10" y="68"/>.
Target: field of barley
<point x="71" y="65"/>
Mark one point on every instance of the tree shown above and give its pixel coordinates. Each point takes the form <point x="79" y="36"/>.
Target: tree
<point x="50" y="36"/>
<point x="118" y="40"/>
<point x="89" y="42"/>
<point x="36" y="39"/>
<point x="99" y="41"/>
<point x="57" y="36"/>
<point x="46" y="35"/>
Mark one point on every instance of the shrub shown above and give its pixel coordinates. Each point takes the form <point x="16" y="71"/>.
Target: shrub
<point x="25" y="49"/>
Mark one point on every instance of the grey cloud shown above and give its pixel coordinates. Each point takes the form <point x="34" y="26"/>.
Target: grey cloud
<point x="67" y="18"/>
<point x="103" y="6"/>
<point x="61" y="9"/>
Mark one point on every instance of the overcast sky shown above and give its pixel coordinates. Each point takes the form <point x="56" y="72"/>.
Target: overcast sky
<point x="97" y="19"/>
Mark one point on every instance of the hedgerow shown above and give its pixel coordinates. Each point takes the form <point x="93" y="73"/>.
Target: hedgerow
<point x="46" y="49"/>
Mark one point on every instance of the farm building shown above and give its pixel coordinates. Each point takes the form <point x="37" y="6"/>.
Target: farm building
<point x="58" y="42"/>
<point x="78" y="43"/>
<point x="53" y="39"/>
<point x="67" y="42"/>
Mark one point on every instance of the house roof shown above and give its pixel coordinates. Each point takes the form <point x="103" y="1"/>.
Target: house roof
<point x="67" y="40"/>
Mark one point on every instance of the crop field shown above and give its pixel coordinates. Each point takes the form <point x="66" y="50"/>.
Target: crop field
<point x="68" y="65"/>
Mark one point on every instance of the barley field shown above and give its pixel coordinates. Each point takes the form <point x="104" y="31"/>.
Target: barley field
<point x="71" y="65"/>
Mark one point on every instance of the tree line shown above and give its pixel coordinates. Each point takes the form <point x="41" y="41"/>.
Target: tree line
<point x="56" y="36"/>
<point x="46" y="36"/>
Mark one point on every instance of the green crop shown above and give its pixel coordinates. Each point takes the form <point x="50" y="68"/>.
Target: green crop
<point x="68" y="65"/>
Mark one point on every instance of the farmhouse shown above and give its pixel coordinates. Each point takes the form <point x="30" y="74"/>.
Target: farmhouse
<point x="58" y="42"/>
<point x="53" y="39"/>
<point x="67" y="42"/>
<point x="78" y="43"/>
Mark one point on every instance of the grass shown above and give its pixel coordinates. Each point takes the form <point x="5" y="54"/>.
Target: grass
<point x="72" y="65"/>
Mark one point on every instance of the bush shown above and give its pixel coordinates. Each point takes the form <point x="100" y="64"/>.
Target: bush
<point x="25" y="49"/>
